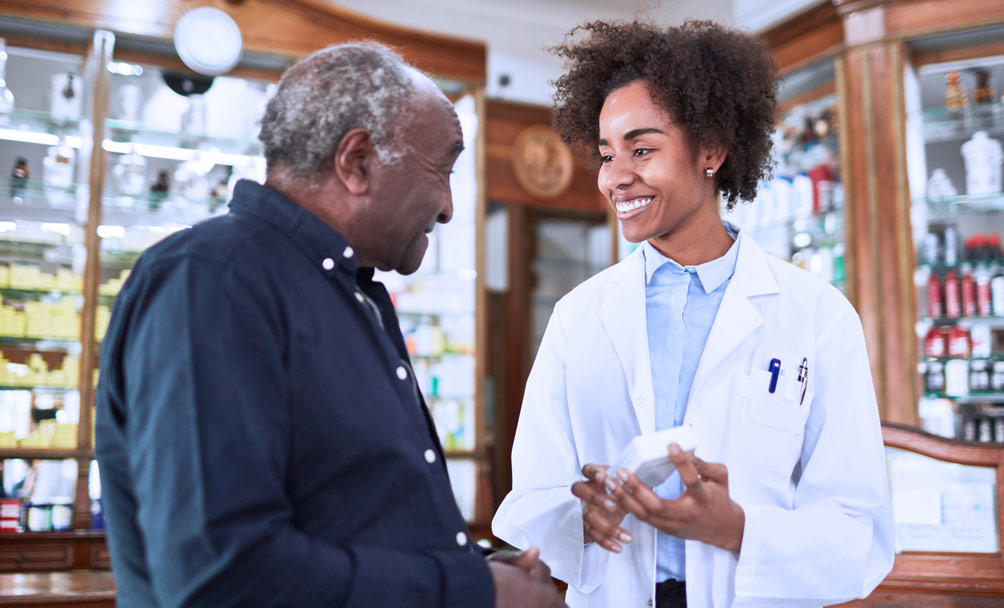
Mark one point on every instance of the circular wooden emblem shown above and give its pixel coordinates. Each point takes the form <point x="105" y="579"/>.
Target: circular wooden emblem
<point x="542" y="162"/>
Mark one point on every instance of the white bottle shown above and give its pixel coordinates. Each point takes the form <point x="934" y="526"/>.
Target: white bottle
<point x="57" y="173"/>
<point x="984" y="159"/>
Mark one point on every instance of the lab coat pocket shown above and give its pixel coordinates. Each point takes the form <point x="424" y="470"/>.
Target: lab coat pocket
<point x="782" y="408"/>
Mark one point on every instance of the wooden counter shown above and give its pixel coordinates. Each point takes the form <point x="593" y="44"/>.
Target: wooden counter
<point x="76" y="589"/>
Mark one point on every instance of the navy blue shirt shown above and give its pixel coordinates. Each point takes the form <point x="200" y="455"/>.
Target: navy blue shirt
<point x="259" y="433"/>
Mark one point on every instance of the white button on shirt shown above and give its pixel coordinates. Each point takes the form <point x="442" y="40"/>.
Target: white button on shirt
<point x="430" y="456"/>
<point x="402" y="373"/>
<point x="348" y="252"/>
<point x="461" y="539"/>
<point x="327" y="263"/>
<point x="359" y="297"/>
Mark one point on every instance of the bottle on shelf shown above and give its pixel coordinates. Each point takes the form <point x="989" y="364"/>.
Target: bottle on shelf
<point x="159" y="190"/>
<point x="986" y="429"/>
<point x="57" y="172"/>
<point x="983" y="93"/>
<point x="130" y="176"/>
<point x="997" y="291"/>
<point x="19" y="179"/>
<point x="957" y="378"/>
<point x="984" y="158"/>
<point x="967" y="287"/>
<point x="993" y="246"/>
<point x="979" y="376"/>
<point x="955" y="93"/>
<point x="6" y="96"/>
<point x="950" y="251"/>
<point x="960" y="343"/>
<point x="935" y="303"/>
<point x="997" y="378"/>
<point x="982" y="277"/>
<point x="953" y="301"/>
<point x="935" y="343"/>
<point x="982" y="340"/>
<point x="65" y="96"/>
<point x="934" y="377"/>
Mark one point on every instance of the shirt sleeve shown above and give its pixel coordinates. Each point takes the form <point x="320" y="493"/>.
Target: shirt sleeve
<point x="541" y="509"/>
<point x="206" y="388"/>
<point x="841" y="523"/>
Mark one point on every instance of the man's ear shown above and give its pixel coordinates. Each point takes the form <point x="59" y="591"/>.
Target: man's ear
<point x="353" y="160"/>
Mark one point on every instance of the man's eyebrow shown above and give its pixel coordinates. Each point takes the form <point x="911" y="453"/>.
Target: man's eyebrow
<point x="632" y="134"/>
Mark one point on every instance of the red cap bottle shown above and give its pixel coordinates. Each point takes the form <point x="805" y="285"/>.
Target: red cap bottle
<point x="968" y="285"/>
<point x="953" y="303"/>
<point x="935" y="303"/>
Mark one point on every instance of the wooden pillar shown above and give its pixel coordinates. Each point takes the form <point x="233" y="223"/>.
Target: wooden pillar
<point x="879" y="237"/>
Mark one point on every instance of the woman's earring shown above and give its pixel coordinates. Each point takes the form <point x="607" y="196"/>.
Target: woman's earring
<point x="709" y="172"/>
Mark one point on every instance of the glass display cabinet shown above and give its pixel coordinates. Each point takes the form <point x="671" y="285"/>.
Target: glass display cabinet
<point x="799" y="214"/>
<point x="45" y="129"/>
<point x="955" y="129"/>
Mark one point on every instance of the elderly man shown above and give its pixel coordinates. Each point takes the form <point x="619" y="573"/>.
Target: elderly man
<point x="261" y="437"/>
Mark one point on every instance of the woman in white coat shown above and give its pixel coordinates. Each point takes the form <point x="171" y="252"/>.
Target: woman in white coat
<point x="785" y="502"/>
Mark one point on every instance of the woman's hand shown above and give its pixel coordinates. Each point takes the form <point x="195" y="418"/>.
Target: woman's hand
<point x="703" y="512"/>
<point x="601" y="515"/>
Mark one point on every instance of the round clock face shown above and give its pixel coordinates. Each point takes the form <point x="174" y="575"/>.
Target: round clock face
<point x="208" y="41"/>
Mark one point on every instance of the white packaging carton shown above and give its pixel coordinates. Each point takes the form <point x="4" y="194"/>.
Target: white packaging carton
<point x="647" y="456"/>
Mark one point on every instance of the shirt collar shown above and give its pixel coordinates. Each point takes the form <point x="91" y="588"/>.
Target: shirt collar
<point x="325" y="246"/>
<point x="712" y="274"/>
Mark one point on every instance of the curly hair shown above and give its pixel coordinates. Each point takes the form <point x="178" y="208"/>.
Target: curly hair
<point x="718" y="84"/>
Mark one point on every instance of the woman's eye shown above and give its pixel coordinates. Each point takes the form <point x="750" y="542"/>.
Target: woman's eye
<point x="606" y="158"/>
<point x="642" y="151"/>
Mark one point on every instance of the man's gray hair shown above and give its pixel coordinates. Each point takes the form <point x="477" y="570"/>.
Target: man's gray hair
<point x="326" y="94"/>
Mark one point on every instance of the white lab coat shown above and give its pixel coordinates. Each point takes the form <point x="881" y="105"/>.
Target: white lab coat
<point x="810" y="477"/>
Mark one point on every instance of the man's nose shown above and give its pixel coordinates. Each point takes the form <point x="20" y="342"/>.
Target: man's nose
<point x="446" y="214"/>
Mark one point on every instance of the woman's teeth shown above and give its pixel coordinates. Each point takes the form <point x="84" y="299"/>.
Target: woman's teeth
<point x="635" y="204"/>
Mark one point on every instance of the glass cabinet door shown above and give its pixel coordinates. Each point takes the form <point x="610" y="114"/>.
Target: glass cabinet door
<point x="42" y="252"/>
<point x="955" y="129"/>
<point x="44" y="147"/>
<point x="436" y="309"/>
<point x="799" y="214"/>
<point x="176" y="145"/>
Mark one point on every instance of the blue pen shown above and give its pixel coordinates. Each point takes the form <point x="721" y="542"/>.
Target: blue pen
<point x="774" y="369"/>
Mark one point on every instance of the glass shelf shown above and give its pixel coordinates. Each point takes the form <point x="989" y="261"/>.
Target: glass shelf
<point x="990" y="359"/>
<point x="964" y="321"/>
<point x="172" y="212"/>
<point x="943" y="267"/>
<point x="974" y="397"/>
<point x="951" y="208"/>
<point x="434" y="357"/>
<point x="40" y="344"/>
<point x="945" y="125"/>
<point x="153" y="143"/>
<point x="32" y="200"/>
<point x="19" y="292"/>
<point x="41" y="388"/>
<point x="30" y="126"/>
<point x="461" y="314"/>
<point x="44" y="129"/>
